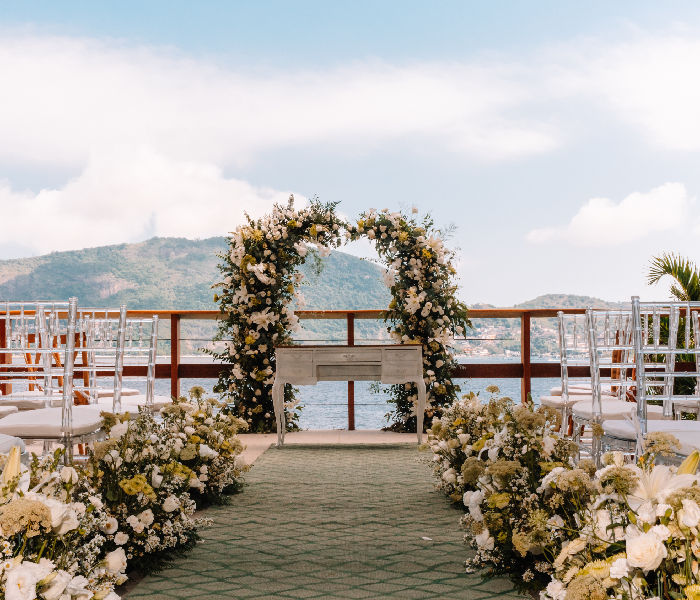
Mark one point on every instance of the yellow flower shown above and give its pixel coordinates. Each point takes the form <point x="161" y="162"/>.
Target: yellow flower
<point x="195" y="439"/>
<point x="692" y="592"/>
<point x="292" y="224"/>
<point x="403" y="236"/>
<point x="255" y="301"/>
<point x="313" y="231"/>
<point x="426" y="254"/>
<point x="499" y="500"/>
<point x="361" y="223"/>
<point x="257" y="235"/>
<point x="250" y="340"/>
<point x="290" y="288"/>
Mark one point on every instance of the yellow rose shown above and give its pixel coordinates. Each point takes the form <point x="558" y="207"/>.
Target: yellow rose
<point x="250" y="340"/>
<point x="292" y="224"/>
<point x="403" y="236"/>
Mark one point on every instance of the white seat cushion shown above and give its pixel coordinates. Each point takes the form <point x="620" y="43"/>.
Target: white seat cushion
<point x="558" y="401"/>
<point x="108" y="393"/>
<point x="578" y="391"/>
<point x="131" y="403"/>
<point x="615" y="409"/>
<point x="26" y="402"/>
<point x="7" y="441"/>
<point x="45" y="423"/>
<point x="687" y="432"/>
<point x="7" y="410"/>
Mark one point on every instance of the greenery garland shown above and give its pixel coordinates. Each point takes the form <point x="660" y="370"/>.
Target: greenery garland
<point x="260" y="283"/>
<point x="424" y="309"/>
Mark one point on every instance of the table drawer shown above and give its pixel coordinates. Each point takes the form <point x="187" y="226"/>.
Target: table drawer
<point x="295" y="370"/>
<point x="400" y="370"/>
<point x="402" y="356"/>
<point x="295" y="357"/>
<point x="349" y="356"/>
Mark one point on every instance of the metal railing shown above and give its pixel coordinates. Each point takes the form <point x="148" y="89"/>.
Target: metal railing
<point x="176" y="369"/>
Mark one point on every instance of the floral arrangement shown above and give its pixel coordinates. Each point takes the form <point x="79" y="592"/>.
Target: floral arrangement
<point x="259" y="285"/>
<point x="497" y="458"/>
<point x="424" y="309"/>
<point x="637" y="536"/>
<point x="144" y="492"/>
<point x="207" y="444"/>
<point x="51" y="540"/>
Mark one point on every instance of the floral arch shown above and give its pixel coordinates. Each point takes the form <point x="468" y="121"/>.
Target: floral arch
<point x="260" y="283"/>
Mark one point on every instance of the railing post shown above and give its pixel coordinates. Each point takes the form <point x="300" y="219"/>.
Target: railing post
<point x="525" y="382"/>
<point x="351" y="384"/>
<point x="175" y="355"/>
<point x="5" y="388"/>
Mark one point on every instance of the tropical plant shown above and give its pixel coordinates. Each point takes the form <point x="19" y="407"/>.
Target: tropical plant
<point x="687" y="285"/>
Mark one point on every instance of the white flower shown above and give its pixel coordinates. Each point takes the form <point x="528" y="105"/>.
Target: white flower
<point x="450" y="476"/>
<point x="111" y="525"/>
<point x="300" y="247"/>
<point x="556" y="590"/>
<point x="661" y="509"/>
<point x="662" y="531"/>
<point x="475" y="505"/>
<point x="556" y="522"/>
<point x="691" y="513"/>
<point x="325" y="251"/>
<point x="69" y="475"/>
<point x="121" y="538"/>
<point x="619" y="568"/>
<point x="156" y="477"/>
<point x="56" y="586"/>
<point x="388" y="279"/>
<point x="190" y="430"/>
<point x="171" y="503"/>
<point x="70" y="522"/>
<point x="656" y="485"/>
<point x="77" y="587"/>
<point x="484" y="540"/>
<point x="239" y="462"/>
<point x="645" y="551"/>
<point x="466" y="498"/>
<point x="206" y="452"/>
<point x="146" y="517"/>
<point x="548" y="444"/>
<point x="493" y="453"/>
<point x="414" y="210"/>
<point x="463" y="438"/>
<point x="646" y="513"/>
<point x="412" y="303"/>
<point x="549" y="478"/>
<point x="118" y="430"/>
<point x="115" y="561"/>
<point x="95" y="501"/>
<point x="20" y="584"/>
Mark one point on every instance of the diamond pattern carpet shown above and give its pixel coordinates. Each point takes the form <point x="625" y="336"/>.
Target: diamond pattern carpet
<point x="330" y="521"/>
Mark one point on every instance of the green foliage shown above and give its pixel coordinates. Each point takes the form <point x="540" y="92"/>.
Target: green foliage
<point x="684" y="271"/>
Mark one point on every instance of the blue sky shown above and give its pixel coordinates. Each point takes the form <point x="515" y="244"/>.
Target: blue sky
<point x="562" y="139"/>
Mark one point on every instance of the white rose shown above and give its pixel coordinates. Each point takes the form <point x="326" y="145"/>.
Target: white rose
<point x="77" y="587"/>
<point x="463" y="438"/>
<point x="20" y="584"/>
<point x="119" y="430"/>
<point x="484" y="540"/>
<point x="475" y="505"/>
<point x="466" y="498"/>
<point x="618" y="459"/>
<point x="450" y="476"/>
<point x="646" y="551"/>
<point x="56" y="586"/>
<point x="115" y="561"/>
<point x="110" y="526"/>
<point x="59" y="511"/>
<point x="70" y="522"/>
<point x="170" y="504"/>
<point x="691" y="513"/>
<point x="190" y="430"/>
<point x="156" y="477"/>
<point x="204" y="469"/>
<point x="556" y="590"/>
<point x="146" y="517"/>
<point x="69" y="475"/>
<point x="121" y="538"/>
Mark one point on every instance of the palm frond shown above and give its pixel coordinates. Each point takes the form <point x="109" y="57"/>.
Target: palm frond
<point x="683" y="270"/>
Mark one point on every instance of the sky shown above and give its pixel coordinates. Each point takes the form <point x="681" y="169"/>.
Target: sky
<point x="562" y="139"/>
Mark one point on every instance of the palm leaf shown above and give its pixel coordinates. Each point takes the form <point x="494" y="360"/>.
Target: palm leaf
<point x="684" y="271"/>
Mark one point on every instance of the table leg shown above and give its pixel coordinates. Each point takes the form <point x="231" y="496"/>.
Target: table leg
<point x="276" y="406"/>
<point x="420" y="384"/>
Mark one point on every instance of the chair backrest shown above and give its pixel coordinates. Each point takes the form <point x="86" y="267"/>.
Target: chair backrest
<point x="655" y="360"/>
<point x="33" y="348"/>
<point x="573" y="347"/>
<point x="105" y="344"/>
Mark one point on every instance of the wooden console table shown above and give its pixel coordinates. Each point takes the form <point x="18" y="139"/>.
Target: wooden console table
<point x="307" y="365"/>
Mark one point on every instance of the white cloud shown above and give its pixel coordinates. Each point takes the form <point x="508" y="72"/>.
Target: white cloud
<point x="62" y="97"/>
<point x="129" y="194"/>
<point x="602" y="222"/>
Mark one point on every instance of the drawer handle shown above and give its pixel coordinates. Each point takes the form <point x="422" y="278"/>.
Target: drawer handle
<point x="349" y="356"/>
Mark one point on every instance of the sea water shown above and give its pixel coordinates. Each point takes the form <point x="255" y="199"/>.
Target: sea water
<point x="325" y="405"/>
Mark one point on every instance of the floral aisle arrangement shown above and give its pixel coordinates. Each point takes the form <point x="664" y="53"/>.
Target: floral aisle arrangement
<point x="637" y="537"/>
<point x="259" y="285"/>
<point x="498" y="459"/>
<point x="51" y="535"/>
<point x="424" y="309"/>
<point x="144" y="492"/>
<point x="206" y="444"/>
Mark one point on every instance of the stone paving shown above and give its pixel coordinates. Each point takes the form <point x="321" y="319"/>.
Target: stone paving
<point x="330" y="521"/>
